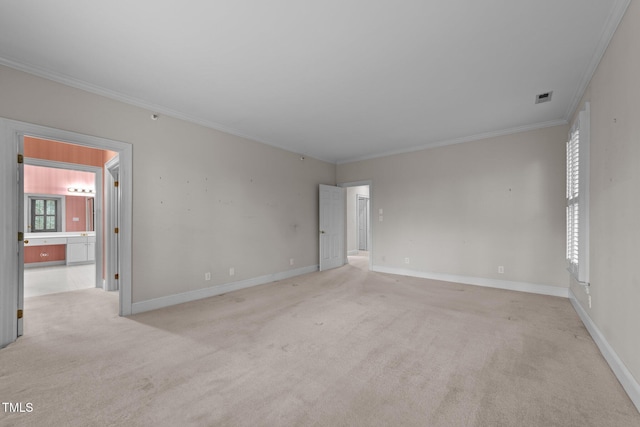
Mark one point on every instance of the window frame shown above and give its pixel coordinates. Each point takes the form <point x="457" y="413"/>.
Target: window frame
<point x="30" y="214"/>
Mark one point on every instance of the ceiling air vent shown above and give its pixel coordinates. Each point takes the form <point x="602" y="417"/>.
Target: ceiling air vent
<point x="543" y="97"/>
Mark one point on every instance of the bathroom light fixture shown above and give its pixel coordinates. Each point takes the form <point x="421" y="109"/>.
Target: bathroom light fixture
<point x="154" y="117"/>
<point x="81" y="190"/>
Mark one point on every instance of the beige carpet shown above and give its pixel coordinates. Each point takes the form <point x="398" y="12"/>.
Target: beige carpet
<point x="339" y="348"/>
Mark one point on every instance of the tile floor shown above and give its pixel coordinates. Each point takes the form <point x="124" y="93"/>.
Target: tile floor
<point x="59" y="278"/>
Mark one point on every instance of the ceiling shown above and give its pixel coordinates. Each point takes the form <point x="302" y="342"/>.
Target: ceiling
<point x="337" y="80"/>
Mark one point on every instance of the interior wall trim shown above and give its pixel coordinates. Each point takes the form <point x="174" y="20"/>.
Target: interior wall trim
<point x="137" y="102"/>
<point x="613" y="21"/>
<point x="470" y="138"/>
<point x="162" y="302"/>
<point x="532" y="288"/>
<point x="616" y="364"/>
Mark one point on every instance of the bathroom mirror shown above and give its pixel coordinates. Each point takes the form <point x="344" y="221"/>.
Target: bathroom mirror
<point x="50" y="213"/>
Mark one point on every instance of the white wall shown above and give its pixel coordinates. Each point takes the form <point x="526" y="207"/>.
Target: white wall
<point x="465" y="209"/>
<point x="203" y="200"/>
<point x="614" y="95"/>
<point x="352" y="215"/>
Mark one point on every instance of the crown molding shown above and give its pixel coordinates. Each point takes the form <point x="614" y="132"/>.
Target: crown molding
<point x="613" y="21"/>
<point x="461" y="140"/>
<point x="151" y="107"/>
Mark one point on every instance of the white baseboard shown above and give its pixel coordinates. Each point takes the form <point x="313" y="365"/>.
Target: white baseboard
<point x="621" y="372"/>
<point x="533" y="288"/>
<point x="156" y="303"/>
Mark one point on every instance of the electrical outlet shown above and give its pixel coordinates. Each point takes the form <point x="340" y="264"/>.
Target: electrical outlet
<point x="406" y="260"/>
<point x="501" y="269"/>
<point x="207" y="276"/>
<point x="290" y="261"/>
<point x="232" y="271"/>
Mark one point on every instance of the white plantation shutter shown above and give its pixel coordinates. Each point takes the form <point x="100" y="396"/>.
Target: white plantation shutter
<point x="578" y="197"/>
<point x="573" y="196"/>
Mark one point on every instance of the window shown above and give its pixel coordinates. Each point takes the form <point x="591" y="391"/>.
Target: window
<point x="44" y="215"/>
<point x="578" y="197"/>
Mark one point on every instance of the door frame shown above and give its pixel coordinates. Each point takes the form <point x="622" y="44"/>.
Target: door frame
<point x="12" y="133"/>
<point x="367" y="217"/>
<point x="112" y="209"/>
<point x="371" y="223"/>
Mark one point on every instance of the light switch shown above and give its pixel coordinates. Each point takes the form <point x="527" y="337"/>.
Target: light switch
<point x="380" y="211"/>
<point x="380" y="218"/>
<point x="76" y="219"/>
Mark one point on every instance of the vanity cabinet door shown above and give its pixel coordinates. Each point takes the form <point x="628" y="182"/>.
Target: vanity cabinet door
<point x="81" y="249"/>
<point x="91" y="248"/>
<point x="76" y="252"/>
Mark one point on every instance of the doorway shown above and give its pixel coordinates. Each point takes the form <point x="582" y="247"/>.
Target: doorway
<point x="362" y="218"/>
<point x="358" y="220"/>
<point x="62" y="229"/>
<point x="12" y="134"/>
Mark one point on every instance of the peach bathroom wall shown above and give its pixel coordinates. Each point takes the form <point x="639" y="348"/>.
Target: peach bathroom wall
<point x="45" y="180"/>
<point x="76" y="207"/>
<point x="62" y="152"/>
<point x="108" y="155"/>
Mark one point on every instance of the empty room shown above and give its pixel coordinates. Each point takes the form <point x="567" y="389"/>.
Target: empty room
<point x="320" y="213"/>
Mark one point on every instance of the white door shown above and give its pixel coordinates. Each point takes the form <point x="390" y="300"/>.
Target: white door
<point x="11" y="249"/>
<point x="363" y="223"/>
<point x="21" y="229"/>
<point x="332" y="213"/>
